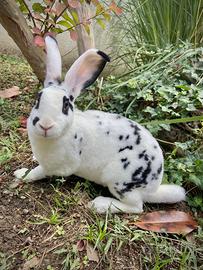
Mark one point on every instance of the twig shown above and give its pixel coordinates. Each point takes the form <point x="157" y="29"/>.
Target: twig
<point x="32" y="18"/>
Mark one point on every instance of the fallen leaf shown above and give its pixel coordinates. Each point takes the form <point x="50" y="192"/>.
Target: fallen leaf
<point x="81" y="245"/>
<point x="92" y="253"/>
<point x="31" y="263"/>
<point x="167" y="221"/>
<point x="73" y="35"/>
<point x="10" y="92"/>
<point x="39" y="41"/>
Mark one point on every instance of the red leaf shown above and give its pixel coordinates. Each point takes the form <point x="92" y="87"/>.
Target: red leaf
<point x="167" y="221"/>
<point x="115" y="8"/>
<point x="10" y="92"/>
<point x="23" y="121"/>
<point x="39" y="41"/>
<point x="74" y="3"/>
<point x="37" y="16"/>
<point x="36" y="30"/>
<point x="73" y="35"/>
<point x="59" y="7"/>
<point x="50" y="11"/>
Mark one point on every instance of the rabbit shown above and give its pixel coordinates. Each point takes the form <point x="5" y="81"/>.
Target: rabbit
<point x="105" y="148"/>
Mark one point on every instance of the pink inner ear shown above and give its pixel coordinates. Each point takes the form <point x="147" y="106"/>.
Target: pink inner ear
<point x="88" y="67"/>
<point x="84" y="71"/>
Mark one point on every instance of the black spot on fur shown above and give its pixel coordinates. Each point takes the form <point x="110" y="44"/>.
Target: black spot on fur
<point x="50" y="83"/>
<point x="138" y="139"/>
<point x="71" y="106"/>
<point x="81" y="139"/>
<point x="120" y="137"/>
<point x="125" y="165"/>
<point x="153" y="157"/>
<point x="35" y="120"/>
<point x="155" y="146"/>
<point x="71" y="98"/>
<point x="127" y="137"/>
<point x="58" y="80"/>
<point x="38" y="100"/>
<point x="66" y="105"/>
<point x="108" y="132"/>
<point x="100" y="123"/>
<point x="159" y="169"/>
<point x="75" y="136"/>
<point x="136" y="173"/>
<point x="141" y="155"/>
<point x="124" y="159"/>
<point x="118" y="117"/>
<point x="154" y="176"/>
<point x="146" y="172"/>
<point x="80" y="152"/>
<point x="130" y="147"/>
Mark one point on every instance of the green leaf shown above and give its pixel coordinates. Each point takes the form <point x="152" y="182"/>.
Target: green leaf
<point x="174" y="121"/>
<point x="65" y="24"/>
<point x="101" y="23"/>
<point x="68" y="18"/>
<point x="37" y="7"/>
<point x="75" y="16"/>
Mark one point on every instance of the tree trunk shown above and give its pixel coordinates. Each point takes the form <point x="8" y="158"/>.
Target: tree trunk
<point x="85" y="41"/>
<point x="15" y="24"/>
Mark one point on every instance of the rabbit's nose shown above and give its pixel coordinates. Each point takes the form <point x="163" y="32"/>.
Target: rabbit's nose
<point x="45" y="128"/>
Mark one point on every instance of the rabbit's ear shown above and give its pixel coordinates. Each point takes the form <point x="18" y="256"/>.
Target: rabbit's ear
<point x="85" y="70"/>
<point x="53" y="62"/>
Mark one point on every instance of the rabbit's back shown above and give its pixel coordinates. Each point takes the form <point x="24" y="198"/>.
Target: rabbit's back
<point x="117" y="150"/>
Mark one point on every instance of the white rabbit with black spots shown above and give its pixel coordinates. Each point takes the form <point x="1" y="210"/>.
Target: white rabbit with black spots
<point x="105" y="148"/>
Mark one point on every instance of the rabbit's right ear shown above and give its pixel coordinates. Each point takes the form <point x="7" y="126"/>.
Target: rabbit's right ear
<point x="53" y="62"/>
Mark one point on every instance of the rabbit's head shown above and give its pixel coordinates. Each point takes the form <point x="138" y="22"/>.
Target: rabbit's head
<point x="53" y="112"/>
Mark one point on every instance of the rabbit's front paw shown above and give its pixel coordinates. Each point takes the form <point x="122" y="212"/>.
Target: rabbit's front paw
<point x="19" y="174"/>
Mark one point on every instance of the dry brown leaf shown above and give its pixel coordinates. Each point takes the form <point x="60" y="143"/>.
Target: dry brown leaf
<point x="81" y="245"/>
<point x="167" y="221"/>
<point x="10" y="92"/>
<point x="31" y="263"/>
<point x="92" y="254"/>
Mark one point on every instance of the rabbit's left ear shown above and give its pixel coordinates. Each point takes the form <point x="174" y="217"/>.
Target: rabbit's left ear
<point x="53" y="62"/>
<point x="85" y="71"/>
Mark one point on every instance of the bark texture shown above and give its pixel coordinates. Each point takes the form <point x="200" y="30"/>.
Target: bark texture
<point x="15" y="24"/>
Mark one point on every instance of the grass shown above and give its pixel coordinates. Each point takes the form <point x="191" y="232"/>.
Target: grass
<point x="160" y="23"/>
<point x="47" y="219"/>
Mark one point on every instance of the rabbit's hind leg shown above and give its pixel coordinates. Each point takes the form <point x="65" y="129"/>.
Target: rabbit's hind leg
<point x="104" y="204"/>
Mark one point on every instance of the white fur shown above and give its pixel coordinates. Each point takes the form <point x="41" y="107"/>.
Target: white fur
<point x="104" y="148"/>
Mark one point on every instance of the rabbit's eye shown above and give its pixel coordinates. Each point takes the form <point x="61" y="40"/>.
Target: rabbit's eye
<point x="38" y="100"/>
<point x="65" y="105"/>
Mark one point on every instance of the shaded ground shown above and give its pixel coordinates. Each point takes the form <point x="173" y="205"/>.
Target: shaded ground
<point x="43" y="225"/>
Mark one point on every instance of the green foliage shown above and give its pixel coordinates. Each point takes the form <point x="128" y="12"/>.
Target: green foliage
<point x="59" y="16"/>
<point x="160" y="23"/>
